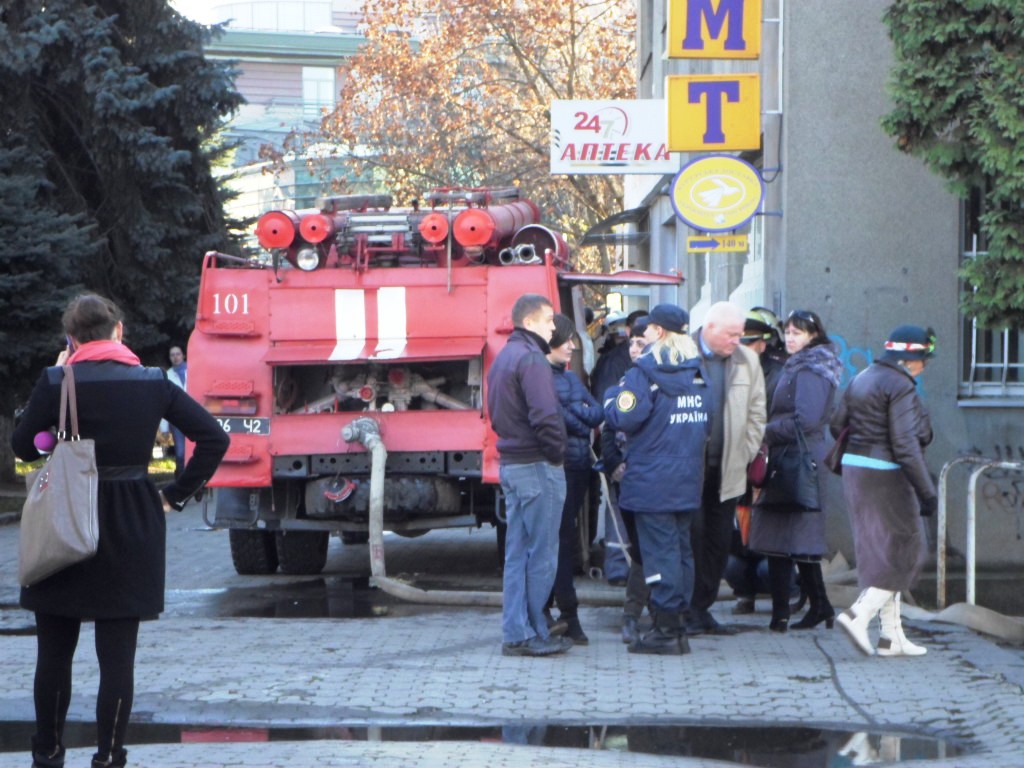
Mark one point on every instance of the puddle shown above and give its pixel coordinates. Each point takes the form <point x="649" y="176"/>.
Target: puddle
<point x="775" y="747"/>
<point x="331" y="598"/>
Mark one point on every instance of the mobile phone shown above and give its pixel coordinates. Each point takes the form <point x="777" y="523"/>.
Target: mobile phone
<point x="71" y="344"/>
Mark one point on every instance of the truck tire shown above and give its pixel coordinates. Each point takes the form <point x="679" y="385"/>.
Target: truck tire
<point x="253" y="553"/>
<point x="302" y="553"/>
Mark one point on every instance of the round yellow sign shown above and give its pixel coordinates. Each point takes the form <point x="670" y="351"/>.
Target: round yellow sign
<point x="717" y="193"/>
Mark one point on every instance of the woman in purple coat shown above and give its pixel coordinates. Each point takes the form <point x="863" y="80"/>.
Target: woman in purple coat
<point x="800" y="410"/>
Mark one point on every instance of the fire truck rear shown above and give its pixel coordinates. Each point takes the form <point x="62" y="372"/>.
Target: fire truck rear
<point x="361" y="309"/>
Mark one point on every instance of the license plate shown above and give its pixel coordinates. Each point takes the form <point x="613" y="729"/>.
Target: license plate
<point x="243" y="425"/>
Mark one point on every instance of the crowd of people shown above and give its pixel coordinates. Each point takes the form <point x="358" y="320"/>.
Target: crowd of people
<point x="680" y="417"/>
<point x="676" y="417"/>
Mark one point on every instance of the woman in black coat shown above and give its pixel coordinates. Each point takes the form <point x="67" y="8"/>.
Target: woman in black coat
<point x="800" y="410"/>
<point x="120" y="405"/>
<point x="887" y="486"/>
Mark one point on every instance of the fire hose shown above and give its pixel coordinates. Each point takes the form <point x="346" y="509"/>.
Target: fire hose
<point x="366" y="431"/>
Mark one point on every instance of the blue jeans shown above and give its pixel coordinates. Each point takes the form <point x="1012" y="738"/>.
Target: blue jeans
<point x="534" y="494"/>
<point x="668" y="558"/>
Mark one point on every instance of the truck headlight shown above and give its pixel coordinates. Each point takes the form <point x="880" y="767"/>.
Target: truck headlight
<point x="307" y="259"/>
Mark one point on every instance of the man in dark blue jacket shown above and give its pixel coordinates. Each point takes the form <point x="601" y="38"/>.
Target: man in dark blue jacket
<point x="524" y="412"/>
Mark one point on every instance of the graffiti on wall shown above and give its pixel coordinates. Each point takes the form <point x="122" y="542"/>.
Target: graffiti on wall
<point x="854" y="359"/>
<point x="1001" y="490"/>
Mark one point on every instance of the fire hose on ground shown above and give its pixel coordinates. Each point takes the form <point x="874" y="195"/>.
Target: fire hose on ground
<point x="366" y="431"/>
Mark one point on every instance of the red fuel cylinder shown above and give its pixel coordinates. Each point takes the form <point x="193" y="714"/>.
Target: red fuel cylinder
<point x="317" y="227"/>
<point x="487" y="227"/>
<point x="434" y="227"/>
<point x="277" y="229"/>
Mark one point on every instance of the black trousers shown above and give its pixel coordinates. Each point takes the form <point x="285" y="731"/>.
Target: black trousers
<point x="712" y="532"/>
<point x="564" y="590"/>
<point x="56" y="639"/>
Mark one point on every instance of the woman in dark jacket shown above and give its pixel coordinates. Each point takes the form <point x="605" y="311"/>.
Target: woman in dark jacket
<point x="120" y="405"/>
<point x="887" y="486"/>
<point x="582" y="414"/>
<point x="662" y="407"/>
<point x="780" y="528"/>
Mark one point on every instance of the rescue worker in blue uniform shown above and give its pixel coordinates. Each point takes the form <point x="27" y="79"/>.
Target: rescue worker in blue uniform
<point x="661" y="405"/>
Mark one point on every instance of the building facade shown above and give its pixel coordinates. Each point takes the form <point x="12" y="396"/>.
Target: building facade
<point x="290" y="56"/>
<point x="851" y="228"/>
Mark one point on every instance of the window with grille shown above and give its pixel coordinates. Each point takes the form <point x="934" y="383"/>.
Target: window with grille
<point x="991" y="366"/>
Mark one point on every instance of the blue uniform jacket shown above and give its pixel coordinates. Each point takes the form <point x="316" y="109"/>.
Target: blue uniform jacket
<point x="581" y="412"/>
<point x="663" y="410"/>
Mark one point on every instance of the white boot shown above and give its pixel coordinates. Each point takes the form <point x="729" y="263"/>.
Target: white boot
<point x="856" y="618"/>
<point x="892" y="641"/>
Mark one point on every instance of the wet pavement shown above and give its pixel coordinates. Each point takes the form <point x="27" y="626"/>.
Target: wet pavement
<point x="350" y="669"/>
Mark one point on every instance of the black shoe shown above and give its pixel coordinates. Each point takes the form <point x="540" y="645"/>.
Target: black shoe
<point x="779" y="625"/>
<point x="665" y="637"/>
<point x="662" y="643"/>
<point x="575" y="632"/>
<point x="744" y="606"/>
<point x="723" y="630"/>
<point x="537" y="646"/>
<point x="556" y="627"/>
<point x="630" y="632"/>
<point x="116" y="759"/>
<point x="707" y="624"/>
<point x="814" y="617"/>
<point x="821" y="609"/>
<point x="47" y="758"/>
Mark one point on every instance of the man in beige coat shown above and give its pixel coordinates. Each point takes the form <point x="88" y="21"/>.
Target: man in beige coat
<point x="738" y="417"/>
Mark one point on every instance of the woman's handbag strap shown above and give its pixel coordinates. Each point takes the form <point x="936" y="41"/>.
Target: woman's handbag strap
<point x="67" y="397"/>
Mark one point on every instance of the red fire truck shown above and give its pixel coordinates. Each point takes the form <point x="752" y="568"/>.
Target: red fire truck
<point x="360" y="309"/>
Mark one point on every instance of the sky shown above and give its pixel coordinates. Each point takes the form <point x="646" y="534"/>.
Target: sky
<point x="193" y="9"/>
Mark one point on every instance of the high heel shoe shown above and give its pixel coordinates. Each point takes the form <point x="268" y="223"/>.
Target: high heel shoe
<point x="779" y="625"/>
<point x="814" y="617"/>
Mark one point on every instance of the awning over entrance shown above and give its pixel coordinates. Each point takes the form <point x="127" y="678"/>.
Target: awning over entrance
<point x="622" y="277"/>
<point x="601" y="233"/>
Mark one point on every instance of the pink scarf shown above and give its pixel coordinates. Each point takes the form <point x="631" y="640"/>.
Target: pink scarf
<point x="107" y="349"/>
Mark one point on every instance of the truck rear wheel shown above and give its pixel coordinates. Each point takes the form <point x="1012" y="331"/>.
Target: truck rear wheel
<point x="253" y="553"/>
<point x="302" y="553"/>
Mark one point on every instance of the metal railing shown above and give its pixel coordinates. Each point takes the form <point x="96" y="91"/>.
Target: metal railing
<point x="983" y="465"/>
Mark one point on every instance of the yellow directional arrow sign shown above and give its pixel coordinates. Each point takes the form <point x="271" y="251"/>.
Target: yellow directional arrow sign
<point x="717" y="244"/>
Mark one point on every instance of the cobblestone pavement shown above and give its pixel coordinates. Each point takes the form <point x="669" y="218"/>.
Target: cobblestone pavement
<point x="428" y="665"/>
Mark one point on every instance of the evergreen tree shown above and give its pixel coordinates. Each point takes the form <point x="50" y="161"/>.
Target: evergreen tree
<point x="958" y="88"/>
<point x="109" y="113"/>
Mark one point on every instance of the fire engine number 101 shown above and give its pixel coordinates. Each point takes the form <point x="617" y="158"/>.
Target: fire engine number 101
<point x="231" y="304"/>
<point x="238" y="425"/>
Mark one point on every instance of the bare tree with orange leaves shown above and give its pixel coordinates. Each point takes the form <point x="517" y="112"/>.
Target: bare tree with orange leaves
<point x="457" y="93"/>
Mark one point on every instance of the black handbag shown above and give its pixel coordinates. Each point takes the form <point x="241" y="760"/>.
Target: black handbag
<point x="792" y="477"/>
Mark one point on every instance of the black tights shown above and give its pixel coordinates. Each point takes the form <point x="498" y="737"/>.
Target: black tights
<point x="57" y="638"/>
